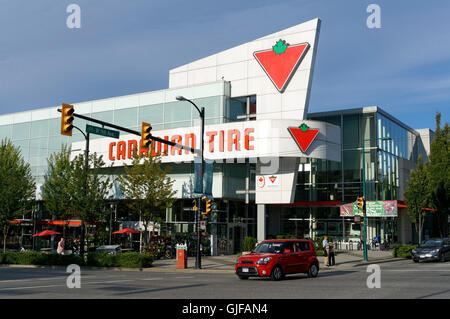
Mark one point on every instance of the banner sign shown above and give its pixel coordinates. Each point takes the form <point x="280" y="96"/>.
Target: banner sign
<point x="209" y="168"/>
<point x="387" y="208"/>
<point x="198" y="187"/>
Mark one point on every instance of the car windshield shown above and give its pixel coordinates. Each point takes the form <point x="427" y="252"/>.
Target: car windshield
<point x="270" y="247"/>
<point x="431" y="243"/>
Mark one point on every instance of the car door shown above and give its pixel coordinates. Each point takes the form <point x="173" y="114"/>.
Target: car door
<point x="288" y="258"/>
<point x="303" y="253"/>
<point x="446" y="248"/>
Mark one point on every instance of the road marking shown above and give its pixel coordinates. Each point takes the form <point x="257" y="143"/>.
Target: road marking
<point x="28" y="279"/>
<point x="152" y="279"/>
<point x="33" y="287"/>
<point x="188" y="277"/>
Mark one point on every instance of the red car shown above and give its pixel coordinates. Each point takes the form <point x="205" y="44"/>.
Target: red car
<point x="277" y="258"/>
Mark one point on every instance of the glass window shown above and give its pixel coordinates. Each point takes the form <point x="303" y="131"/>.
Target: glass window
<point x="21" y="131"/>
<point x="177" y="124"/>
<point x="106" y="116"/>
<point x="178" y="111"/>
<point x="352" y="166"/>
<point x="235" y="107"/>
<point x="55" y="126"/>
<point x="212" y="106"/>
<point x="5" y="131"/>
<point x="151" y="114"/>
<point x="23" y="147"/>
<point x="126" y="117"/>
<point x="38" y="146"/>
<point x="351" y="132"/>
<point x="39" y="128"/>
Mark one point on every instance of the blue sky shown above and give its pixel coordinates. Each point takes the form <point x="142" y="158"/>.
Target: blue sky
<point x="126" y="47"/>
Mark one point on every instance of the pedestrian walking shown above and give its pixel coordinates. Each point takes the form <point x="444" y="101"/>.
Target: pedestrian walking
<point x="60" y="249"/>
<point x="75" y="247"/>
<point x="325" y="248"/>
<point x="331" y="261"/>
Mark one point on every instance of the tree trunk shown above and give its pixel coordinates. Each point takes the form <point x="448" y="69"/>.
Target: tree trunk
<point x="5" y="235"/>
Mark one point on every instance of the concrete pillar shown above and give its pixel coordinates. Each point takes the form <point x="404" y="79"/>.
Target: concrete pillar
<point x="261" y="222"/>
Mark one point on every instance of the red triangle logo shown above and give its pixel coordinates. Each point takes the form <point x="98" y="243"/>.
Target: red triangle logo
<point x="280" y="67"/>
<point x="304" y="136"/>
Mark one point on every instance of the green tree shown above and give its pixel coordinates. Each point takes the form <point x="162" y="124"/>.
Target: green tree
<point x="417" y="196"/>
<point x="438" y="170"/>
<point x="17" y="186"/>
<point x="55" y="190"/>
<point x="89" y="191"/>
<point x="148" y="188"/>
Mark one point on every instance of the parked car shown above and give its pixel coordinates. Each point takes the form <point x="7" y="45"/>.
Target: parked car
<point x="432" y="249"/>
<point x="277" y="258"/>
<point x="110" y="249"/>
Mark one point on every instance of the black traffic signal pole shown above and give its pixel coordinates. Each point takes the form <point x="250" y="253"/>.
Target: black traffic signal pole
<point x="121" y="128"/>
<point x="86" y="167"/>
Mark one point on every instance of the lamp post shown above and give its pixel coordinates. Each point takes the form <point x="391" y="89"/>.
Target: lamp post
<point x="364" y="190"/>
<point x="198" y="262"/>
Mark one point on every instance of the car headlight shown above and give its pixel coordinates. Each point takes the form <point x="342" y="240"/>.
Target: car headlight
<point x="263" y="261"/>
<point x="435" y="252"/>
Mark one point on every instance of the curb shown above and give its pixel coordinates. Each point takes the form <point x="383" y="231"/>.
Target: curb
<point x="150" y="269"/>
<point x="379" y="261"/>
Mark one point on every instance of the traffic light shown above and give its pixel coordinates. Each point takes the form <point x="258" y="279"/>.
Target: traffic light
<point x="145" y="136"/>
<point x="67" y="119"/>
<point x="361" y="203"/>
<point x="207" y="205"/>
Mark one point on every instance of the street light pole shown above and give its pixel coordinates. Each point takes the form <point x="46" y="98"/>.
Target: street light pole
<point x="198" y="261"/>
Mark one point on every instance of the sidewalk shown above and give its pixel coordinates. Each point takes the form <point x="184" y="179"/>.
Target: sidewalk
<point x="226" y="263"/>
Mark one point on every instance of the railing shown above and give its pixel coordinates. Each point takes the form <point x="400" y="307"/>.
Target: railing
<point x="356" y="245"/>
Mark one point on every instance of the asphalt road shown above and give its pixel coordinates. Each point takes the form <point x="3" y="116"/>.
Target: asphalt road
<point x="402" y="279"/>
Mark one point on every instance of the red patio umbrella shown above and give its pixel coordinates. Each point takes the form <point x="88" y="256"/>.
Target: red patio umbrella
<point x="47" y="233"/>
<point x="127" y="231"/>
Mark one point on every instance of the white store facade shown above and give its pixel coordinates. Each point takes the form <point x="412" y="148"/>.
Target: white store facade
<point x="258" y="133"/>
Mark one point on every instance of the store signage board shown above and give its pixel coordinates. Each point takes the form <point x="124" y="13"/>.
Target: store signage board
<point x="101" y="131"/>
<point x="387" y="208"/>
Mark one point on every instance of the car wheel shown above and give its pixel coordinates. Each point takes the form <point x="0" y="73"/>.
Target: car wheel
<point x="277" y="273"/>
<point x="243" y="277"/>
<point x="415" y="260"/>
<point x="443" y="258"/>
<point x="313" y="271"/>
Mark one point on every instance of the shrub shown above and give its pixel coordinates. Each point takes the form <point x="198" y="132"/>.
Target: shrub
<point x="36" y="258"/>
<point x="127" y="260"/>
<point x="403" y="251"/>
<point x="249" y="243"/>
<point x="23" y="258"/>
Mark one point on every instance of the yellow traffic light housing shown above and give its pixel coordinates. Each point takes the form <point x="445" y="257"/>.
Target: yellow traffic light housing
<point x="145" y="136"/>
<point x="207" y="205"/>
<point x="361" y="203"/>
<point x="67" y="119"/>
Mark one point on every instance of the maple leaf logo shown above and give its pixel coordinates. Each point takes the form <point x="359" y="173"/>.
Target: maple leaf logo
<point x="304" y="127"/>
<point x="280" y="47"/>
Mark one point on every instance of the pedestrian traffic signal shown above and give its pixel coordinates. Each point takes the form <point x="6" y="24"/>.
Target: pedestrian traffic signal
<point x="361" y="203"/>
<point x="67" y="119"/>
<point x="145" y="136"/>
<point x="207" y="205"/>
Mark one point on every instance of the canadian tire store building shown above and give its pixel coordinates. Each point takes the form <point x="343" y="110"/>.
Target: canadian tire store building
<point x="278" y="168"/>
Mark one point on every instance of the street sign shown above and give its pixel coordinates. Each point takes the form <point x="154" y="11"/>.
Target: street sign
<point x="101" y="131"/>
